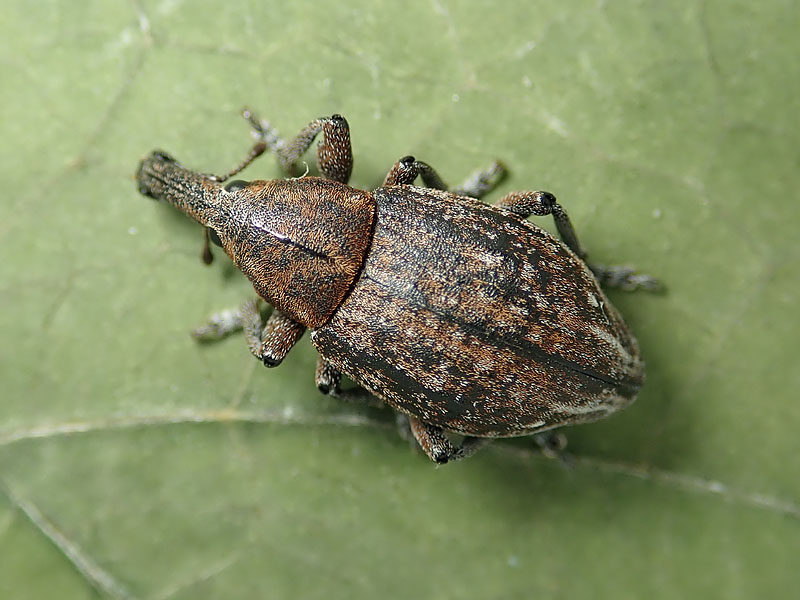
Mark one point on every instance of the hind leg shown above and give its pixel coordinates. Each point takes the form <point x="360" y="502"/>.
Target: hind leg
<point x="540" y="204"/>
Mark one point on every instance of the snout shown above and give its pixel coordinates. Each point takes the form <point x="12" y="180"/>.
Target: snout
<point x="149" y="175"/>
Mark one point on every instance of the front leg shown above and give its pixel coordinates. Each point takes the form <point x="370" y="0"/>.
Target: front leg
<point x="334" y="153"/>
<point x="269" y="343"/>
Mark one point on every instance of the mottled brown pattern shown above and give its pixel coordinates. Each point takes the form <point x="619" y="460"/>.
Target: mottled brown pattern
<point x="271" y="230"/>
<point x="475" y="320"/>
<point x="272" y="233"/>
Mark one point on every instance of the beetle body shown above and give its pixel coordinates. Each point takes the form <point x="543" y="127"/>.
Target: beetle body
<point x="464" y="316"/>
<point x="472" y="319"/>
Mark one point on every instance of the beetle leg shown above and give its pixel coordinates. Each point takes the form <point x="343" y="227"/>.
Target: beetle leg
<point x="219" y="325"/>
<point x="269" y="343"/>
<point x="482" y="182"/>
<point x="553" y="444"/>
<point x="526" y="204"/>
<point x="257" y="150"/>
<point x="407" y="169"/>
<point x="439" y="449"/>
<point x="540" y="204"/>
<point x="206" y="256"/>
<point x="624" y="278"/>
<point x="403" y="172"/>
<point x="327" y="377"/>
<point x="334" y="153"/>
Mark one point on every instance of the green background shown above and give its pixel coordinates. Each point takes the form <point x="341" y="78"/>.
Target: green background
<point x="137" y="463"/>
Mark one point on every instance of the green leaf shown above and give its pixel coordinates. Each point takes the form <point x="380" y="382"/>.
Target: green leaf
<point x="137" y="463"/>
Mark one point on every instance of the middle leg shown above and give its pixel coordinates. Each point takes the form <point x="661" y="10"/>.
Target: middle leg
<point x="407" y="169"/>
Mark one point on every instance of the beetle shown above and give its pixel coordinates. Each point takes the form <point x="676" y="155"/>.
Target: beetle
<point x="463" y="316"/>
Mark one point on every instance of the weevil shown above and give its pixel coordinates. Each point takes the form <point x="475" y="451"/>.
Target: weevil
<point x="465" y="317"/>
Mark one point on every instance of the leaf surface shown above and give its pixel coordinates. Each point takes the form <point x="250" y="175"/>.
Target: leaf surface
<point x="137" y="463"/>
